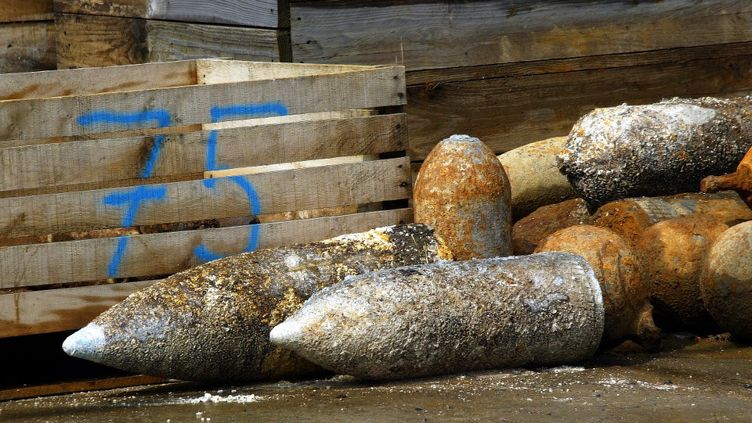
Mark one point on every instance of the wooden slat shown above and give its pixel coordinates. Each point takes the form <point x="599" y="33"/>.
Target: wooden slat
<point x="260" y="13"/>
<point x="82" y="386"/>
<point x="108" y="160"/>
<point x="27" y="46"/>
<point x="25" y="10"/>
<point x="443" y="33"/>
<point x="506" y="112"/>
<point x="157" y="254"/>
<point x="288" y="190"/>
<point x="367" y="88"/>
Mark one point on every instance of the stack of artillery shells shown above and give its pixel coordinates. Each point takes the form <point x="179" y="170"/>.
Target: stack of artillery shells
<point x="656" y="149"/>
<point x="529" y="231"/>
<point x="727" y="281"/>
<point x="631" y="217"/>
<point x="415" y="321"/>
<point x="673" y="253"/>
<point x="617" y="268"/>
<point x="212" y="322"/>
<point x="534" y="176"/>
<point x="463" y="192"/>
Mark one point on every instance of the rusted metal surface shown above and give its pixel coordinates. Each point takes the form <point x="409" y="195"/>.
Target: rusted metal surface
<point x="618" y="269"/>
<point x="463" y="192"/>
<point x="656" y="149"/>
<point x="727" y="281"/>
<point x="673" y="253"/>
<point x="448" y="317"/>
<point x="212" y="322"/>
<point x="739" y="181"/>
<point x="534" y="176"/>
<point x="529" y="231"/>
<point x="630" y="217"/>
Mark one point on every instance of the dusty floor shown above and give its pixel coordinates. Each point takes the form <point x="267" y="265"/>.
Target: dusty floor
<point x="705" y="381"/>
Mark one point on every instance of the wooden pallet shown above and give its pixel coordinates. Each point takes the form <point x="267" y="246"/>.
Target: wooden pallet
<point x="142" y="171"/>
<point x="27" y="36"/>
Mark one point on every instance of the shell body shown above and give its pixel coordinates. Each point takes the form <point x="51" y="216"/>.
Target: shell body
<point x="529" y="231"/>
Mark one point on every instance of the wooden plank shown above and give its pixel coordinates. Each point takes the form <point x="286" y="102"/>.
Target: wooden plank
<point x="86" y="40"/>
<point x="50" y="117"/>
<point x="25" y="11"/>
<point x="81" y="386"/>
<point x="165" y="253"/>
<point x="56" y="310"/>
<point x="288" y="190"/>
<point x="426" y="34"/>
<point x="123" y="159"/>
<point x="508" y="112"/>
<point x="258" y="13"/>
<point x="27" y="46"/>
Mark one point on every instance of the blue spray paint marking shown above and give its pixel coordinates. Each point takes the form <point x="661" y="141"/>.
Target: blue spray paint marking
<point x="160" y="116"/>
<point x="132" y="200"/>
<point x="218" y="114"/>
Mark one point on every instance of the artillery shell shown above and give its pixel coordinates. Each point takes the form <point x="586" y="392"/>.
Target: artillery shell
<point x="656" y="149"/>
<point x="617" y="268"/>
<point x="673" y="253"/>
<point x="529" y="231"/>
<point x="739" y="181"/>
<point x="415" y="321"/>
<point x="534" y="176"/>
<point x="212" y="322"/>
<point x="463" y="192"/>
<point x="726" y="281"/>
<point x="630" y="217"/>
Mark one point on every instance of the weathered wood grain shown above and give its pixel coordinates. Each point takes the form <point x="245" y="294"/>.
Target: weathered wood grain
<point x="27" y="46"/>
<point x="25" y="10"/>
<point x="50" y="117"/>
<point x="442" y="33"/>
<point x="166" y="253"/>
<point x="288" y="190"/>
<point x="506" y="112"/>
<point x="122" y="159"/>
<point x="86" y="40"/>
<point x="82" y="386"/>
<point x="258" y="13"/>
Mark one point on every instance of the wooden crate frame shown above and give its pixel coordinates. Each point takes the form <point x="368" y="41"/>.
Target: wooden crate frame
<point x="101" y="149"/>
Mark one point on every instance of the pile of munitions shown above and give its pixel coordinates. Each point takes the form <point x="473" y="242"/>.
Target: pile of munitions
<point x="587" y="264"/>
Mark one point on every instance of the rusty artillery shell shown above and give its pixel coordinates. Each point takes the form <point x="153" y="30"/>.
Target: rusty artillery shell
<point x="534" y="176"/>
<point x="529" y="231"/>
<point x="617" y="268"/>
<point x="673" y="253"/>
<point x="631" y="217"/>
<point x="543" y="309"/>
<point x="656" y="149"/>
<point x="739" y="181"/>
<point x="726" y="282"/>
<point x="463" y="192"/>
<point x="212" y="322"/>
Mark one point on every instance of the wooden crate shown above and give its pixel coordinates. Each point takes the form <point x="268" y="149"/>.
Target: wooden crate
<point x="27" y="36"/>
<point x="166" y="149"/>
<point x="97" y="33"/>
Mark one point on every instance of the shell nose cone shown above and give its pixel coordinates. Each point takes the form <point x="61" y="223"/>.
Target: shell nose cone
<point x="287" y="334"/>
<point x="86" y="343"/>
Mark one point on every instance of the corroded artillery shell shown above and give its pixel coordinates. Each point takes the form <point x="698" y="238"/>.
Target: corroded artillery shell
<point x="656" y="149"/>
<point x="631" y="217"/>
<point x="212" y="322"/>
<point x="727" y="281"/>
<point x="673" y="253"/>
<point x="617" y="268"/>
<point x="534" y="176"/>
<point x="739" y="181"/>
<point x="529" y="231"/>
<point x="414" y="321"/>
<point x="463" y="192"/>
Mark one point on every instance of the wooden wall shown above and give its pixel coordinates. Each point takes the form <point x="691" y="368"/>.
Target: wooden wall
<point x="27" y="36"/>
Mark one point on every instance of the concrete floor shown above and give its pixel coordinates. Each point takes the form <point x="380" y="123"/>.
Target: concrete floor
<point x="694" y="380"/>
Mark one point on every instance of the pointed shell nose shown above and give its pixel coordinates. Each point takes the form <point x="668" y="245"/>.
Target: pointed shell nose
<point x="86" y="343"/>
<point x="287" y="334"/>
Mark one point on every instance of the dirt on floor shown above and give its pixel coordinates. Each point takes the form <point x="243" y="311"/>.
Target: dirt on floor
<point x="692" y="380"/>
